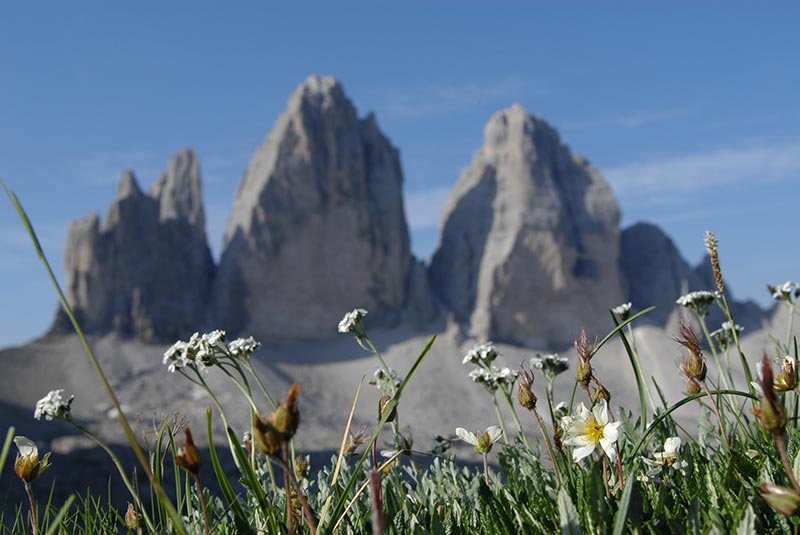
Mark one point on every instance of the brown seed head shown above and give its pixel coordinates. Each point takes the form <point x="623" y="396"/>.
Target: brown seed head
<point x="266" y="437"/>
<point x="133" y="519"/>
<point x="524" y="393"/>
<point x="584" y="347"/>
<point x="188" y="456"/>
<point x="583" y="372"/>
<point x="712" y="247"/>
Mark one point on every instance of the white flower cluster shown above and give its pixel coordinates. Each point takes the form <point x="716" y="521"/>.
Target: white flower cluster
<point x="351" y="322"/>
<point x="203" y="351"/>
<point x="481" y="355"/>
<point x="724" y="335"/>
<point x="383" y="380"/>
<point x="788" y="291"/>
<point x="493" y="378"/>
<point x="699" y="301"/>
<point x="550" y="365"/>
<point x="53" y="406"/>
<point x="622" y="311"/>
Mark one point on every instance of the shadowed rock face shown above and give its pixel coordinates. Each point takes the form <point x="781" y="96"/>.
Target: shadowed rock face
<point x="146" y="271"/>
<point x="530" y="239"/>
<point x="317" y="226"/>
<point x="655" y="273"/>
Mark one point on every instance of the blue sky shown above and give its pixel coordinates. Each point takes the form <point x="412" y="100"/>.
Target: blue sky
<point x="690" y="111"/>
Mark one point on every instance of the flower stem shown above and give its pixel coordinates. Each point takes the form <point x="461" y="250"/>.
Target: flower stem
<point x="486" y="468"/>
<point x="500" y="419"/>
<point x="202" y="502"/>
<point x="719" y="416"/>
<point x="514" y="415"/>
<point x="549" y="446"/>
<point x="780" y="442"/>
<point x="34" y="525"/>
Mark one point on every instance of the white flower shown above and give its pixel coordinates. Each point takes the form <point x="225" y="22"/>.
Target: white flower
<point x="622" y="311"/>
<point x="551" y="365"/>
<point x="351" y="322"/>
<point x="175" y="356"/>
<point x="590" y="428"/>
<point x="561" y="410"/>
<point x="52" y="406"/>
<point x="698" y="301"/>
<point x="669" y="458"/>
<point x="243" y="347"/>
<point x="786" y="291"/>
<point x="481" y="354"/>
<point x="382" y="379"/>
<point x="482" y="442"/>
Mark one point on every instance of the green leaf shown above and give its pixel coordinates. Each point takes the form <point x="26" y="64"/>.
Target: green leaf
<point x="568" y="515"/>
<point x="747" y="524"/>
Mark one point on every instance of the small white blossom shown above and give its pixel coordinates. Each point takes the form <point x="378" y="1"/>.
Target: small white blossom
<point x="53" y="406"/>
<point x="175" y="357"/>
<point x="550" y="365"/>
<point x="669" y="458"/>
<point x="588" y="429"/>
<point x="351" y="322"/>
<point x="788" y="291"/>
<point x="243" y="347"/>
<point x="481" y="354"/>
<point x="481" y="441"/>
<point x="699" y="301"/>
<point x="382" y="379"/>
<point x="622" y="311"/>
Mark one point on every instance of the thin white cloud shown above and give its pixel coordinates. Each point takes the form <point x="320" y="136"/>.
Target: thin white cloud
<point x="671" y="179"/>
<point x="629" y="120"/>
<point x="446" y="99"/>
<point x="424" y="208"/>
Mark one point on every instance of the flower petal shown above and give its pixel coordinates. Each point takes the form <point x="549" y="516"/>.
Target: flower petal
<point x="600" y="412"/>
<point x="26" y="447"/>
<point x="494" y="433"/>
<point x="467" y="436"/>
<point x="672" y="445"/>
<point x="583" y="451"/>
<point x="608" y="447"/>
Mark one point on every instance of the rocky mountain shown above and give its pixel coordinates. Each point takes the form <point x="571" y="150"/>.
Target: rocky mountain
<point x="146" y="270"/>
<point x="655" y="273"/>
<point x="318" y="226"/>
<point x="530" y="239"/>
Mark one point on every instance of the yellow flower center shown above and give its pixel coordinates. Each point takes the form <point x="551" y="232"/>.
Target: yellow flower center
<point x="594" y="431"/>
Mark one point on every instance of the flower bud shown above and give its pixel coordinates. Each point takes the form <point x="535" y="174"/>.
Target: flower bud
<point x="525" y="395"/>
<point x="188" y="456"/>
<point x="583" y="372"/>
<point x="28" y="466"/>
<point x="696" y="367"/>
<point x="692" y="386"/>
<point x="267" y="439"/>
<point x="133" y="519"/>
<point x="782" y="500"/>
<point x="287" y="416"/>
<point x="770" y="412"/>
<point x="383" y="405"/>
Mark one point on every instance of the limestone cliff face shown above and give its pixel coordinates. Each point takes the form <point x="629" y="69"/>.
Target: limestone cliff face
<point x="146" y="270"/>
<point x="318" y="225"/>
<point x="530" y="239"/>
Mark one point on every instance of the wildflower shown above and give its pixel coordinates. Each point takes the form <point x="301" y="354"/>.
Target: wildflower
<point x="622" y="311"/>
<point x="769" y="412"/>
<point x="550" y="365"/>
<point x="724" y="335"/>
<point x="669" y="458"/>
<point x="383" y="380"/>
<point x="561" y="409"/>
<point x="787" y="292"/>
<point x="243" y="347"/>
<point x="188" y="456"/>
<point x="28" y="466"/>
<point x="695" y="364"/>
<point x="481" y="354"/>
<point x="590" y="428"/>
<point x="176" y="357"/>
<point x="525" y="395"/>
<point x="351" y="322"/>
<point x="482" y="442"/>
<point x="53" y="406"/>
<point x="782" y="500"/>
<point x="698" y="301"/>
<point x="787" y="378"/>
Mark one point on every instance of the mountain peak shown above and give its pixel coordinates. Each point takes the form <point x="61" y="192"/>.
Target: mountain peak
<point x="128" y="186"/>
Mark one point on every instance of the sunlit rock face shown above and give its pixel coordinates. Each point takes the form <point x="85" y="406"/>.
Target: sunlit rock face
<point x="530" y="239"/>
<point x="318" y="226"/>
<point x="146" y="270"/>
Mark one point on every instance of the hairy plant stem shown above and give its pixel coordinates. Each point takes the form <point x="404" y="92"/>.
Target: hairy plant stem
<point x="29" y="491"/>
<point x="486" y="468"/>
<point x="302" y="497"/>
<point x="288" y="491"/>
<point x="202" y="502"/>
<point x="549" y="445"/>
<point x="514" y="415"/>
<point x="500" y="418"/>
<point x="377" y="503"/>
